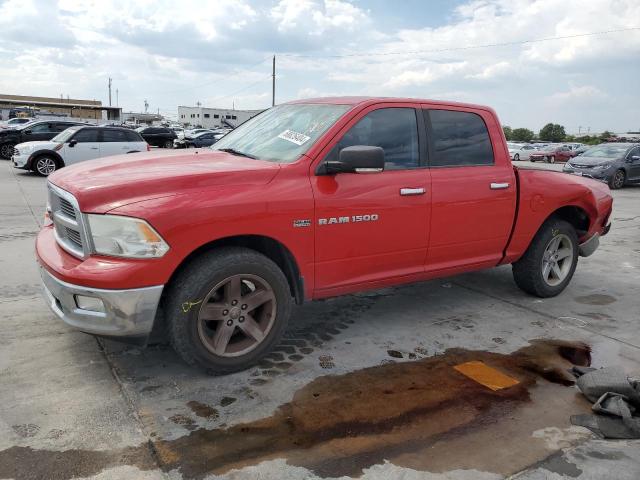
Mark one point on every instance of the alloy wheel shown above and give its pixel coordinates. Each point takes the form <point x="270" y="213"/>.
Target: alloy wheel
<point x="618" y="179"/>
<point x="45" y="166"/>
<point x="6" y="150"/>
<point x="237" y="315"/>
<point x="557" y="260"/>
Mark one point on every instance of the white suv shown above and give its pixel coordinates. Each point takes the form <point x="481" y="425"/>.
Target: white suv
<point x="76" y="144"/>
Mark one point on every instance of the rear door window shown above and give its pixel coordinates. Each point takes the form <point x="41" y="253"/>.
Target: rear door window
<point x="458" y="139"/>
<point x="113" y="136"/>
<point x="132" y="136"/>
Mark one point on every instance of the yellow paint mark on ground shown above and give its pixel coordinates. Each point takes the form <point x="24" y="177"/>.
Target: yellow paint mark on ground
<point x="486" y="375"/>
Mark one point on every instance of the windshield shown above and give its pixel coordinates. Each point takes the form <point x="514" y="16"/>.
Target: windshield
<point x="606" y="151"/>
<point x="282" y="133"/>
<point x="64" y="135"/>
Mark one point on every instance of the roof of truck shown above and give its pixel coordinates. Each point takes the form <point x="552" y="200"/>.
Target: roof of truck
<point x="369" y="100"/>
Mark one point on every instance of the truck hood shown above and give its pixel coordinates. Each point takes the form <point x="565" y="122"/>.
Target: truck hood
<point x="112" y="182"/>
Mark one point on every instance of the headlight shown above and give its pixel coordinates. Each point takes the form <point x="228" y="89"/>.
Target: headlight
<point x="125" y="237"/>
<point x="604" y="166"/>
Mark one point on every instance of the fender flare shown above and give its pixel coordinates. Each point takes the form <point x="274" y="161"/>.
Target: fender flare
<point x="39" y="153"/>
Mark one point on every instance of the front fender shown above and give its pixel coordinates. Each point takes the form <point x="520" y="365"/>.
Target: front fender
<point x="37" y="153"/>
<point x="542" y="193"/>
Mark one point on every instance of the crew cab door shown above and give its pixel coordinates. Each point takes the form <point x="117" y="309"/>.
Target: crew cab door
<point x="86" y="146"/>
<point x="473" y="188"/>
<point x="372" y="228"/>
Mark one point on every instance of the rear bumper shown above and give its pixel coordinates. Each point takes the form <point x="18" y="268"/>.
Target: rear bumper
<point x="587" y="248"/>
<point x="125" y="314"/>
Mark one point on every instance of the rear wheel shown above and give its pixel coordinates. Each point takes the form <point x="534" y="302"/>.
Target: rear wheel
<point x="45" y="165"/>
<point x="548" y="265"/>
<point x="6" y="150"/>
<point x="617" y="180"/>
<point x="227" y="309"/>
<point x="168" y="144"/>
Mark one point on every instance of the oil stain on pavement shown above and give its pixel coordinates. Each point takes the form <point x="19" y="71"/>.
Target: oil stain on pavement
<point x="423" y="414"/>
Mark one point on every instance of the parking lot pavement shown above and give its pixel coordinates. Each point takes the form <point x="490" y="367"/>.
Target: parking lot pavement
<point x="335" y="398"/>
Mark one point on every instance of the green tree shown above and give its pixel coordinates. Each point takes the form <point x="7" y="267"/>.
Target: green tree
<point x="522" y="135"/>
<point x="507" y="132"/>
<point x="604" y="136"/>
<point x="552" y="132"/>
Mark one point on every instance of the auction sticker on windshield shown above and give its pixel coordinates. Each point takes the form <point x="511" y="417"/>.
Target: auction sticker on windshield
<point x="294" y="137"/>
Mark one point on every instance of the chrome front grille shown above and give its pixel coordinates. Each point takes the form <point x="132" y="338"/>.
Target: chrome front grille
<point x="68" y="223"/>
<point x="67" y="208"/>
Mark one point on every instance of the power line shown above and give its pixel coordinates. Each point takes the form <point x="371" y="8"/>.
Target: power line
<point x="453" y="49"/>
<point x="212" y="82"/>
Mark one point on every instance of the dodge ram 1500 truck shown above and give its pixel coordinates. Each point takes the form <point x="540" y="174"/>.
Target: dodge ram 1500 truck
<point x="309" y="199"/>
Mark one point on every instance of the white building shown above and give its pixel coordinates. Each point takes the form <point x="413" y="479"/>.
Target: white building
<point x="213" y="117"/>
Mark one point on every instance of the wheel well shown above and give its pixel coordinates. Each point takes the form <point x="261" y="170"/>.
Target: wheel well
<point x="576" y="216"/>
<point x="56" y="157"/>
<point x="269" y="247"/>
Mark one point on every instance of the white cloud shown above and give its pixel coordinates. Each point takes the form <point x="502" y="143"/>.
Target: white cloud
<point x="179" y="53"/>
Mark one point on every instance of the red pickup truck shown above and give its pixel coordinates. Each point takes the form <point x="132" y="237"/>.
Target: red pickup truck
<point x="309" y="199"/>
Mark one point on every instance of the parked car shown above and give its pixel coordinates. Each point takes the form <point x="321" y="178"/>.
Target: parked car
<point x="618" y="164"/>
<point x="195" y="131"/>
<point x="580" y="150"/>
<point x="33" y="131"/>
<point x="14" y="122"/>
<point x="199" y="140"/>
<point x="306" y="200"/>
<point x="76" y="144"/>
<point x="520" y="151"/>
<point x="552" y="154"/>
<point x="158" y="136"/>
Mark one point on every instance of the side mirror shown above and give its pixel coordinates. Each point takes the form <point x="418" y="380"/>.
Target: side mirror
<point x="357" y="159"/>
<point x="73" y="142"/>
<point x="27" y="132"/>
<point x="635" y="158"/>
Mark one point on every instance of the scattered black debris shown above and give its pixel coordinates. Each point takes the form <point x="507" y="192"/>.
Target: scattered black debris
<point x="394" y="353"/>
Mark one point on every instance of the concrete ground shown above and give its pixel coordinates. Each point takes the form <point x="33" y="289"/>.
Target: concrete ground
<point x="335" y="399"/>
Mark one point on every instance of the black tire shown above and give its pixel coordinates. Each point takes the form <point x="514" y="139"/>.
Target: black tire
<point x="44" y="165"/>
<point x="516" y="157"/>
<point x="618" y="179"/>
<point x="194" y="283"/>
<point x="528" y="271"/>
<point x="168" y="144"/>
<point x="6" y="150"/>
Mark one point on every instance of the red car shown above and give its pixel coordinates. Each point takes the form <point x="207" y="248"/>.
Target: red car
<point x="308" y="200"/>
<point x="552" y="154"/>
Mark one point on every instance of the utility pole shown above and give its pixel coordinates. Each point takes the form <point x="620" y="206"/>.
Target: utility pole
<point x="117" y="102"/>
<point x="273" y="83"/>
<point x="109" y="91"/>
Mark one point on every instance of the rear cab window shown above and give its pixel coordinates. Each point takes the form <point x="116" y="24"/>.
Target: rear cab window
<point x="458" y="138"/>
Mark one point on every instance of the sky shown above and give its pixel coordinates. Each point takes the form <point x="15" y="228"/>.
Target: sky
<point x="219" y="53"/>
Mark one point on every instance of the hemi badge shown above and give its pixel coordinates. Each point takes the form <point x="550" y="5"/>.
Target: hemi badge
<point x="301" y="223"/>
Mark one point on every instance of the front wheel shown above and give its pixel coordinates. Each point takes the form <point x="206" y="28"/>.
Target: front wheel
<point x="227" y="309"/>
<point x="617" y="180"/>
<point x="45" y="165"/>
<point x="552" y="159"/>
<point x="516" y="157"/>
<point x="548" y="265"/>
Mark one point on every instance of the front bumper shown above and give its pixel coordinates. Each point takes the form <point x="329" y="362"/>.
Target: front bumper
<point x="595" y="173"/>
<point x="126" y="314"/>
<point x="21" y="161"/>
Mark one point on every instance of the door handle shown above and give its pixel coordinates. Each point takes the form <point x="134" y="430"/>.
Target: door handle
<point x="94" y="148"/>
<point x="499" y="186"/>
<point x="412" y="191"/>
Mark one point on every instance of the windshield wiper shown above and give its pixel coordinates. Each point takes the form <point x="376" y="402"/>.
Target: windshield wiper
<point x="236" y="152"/>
